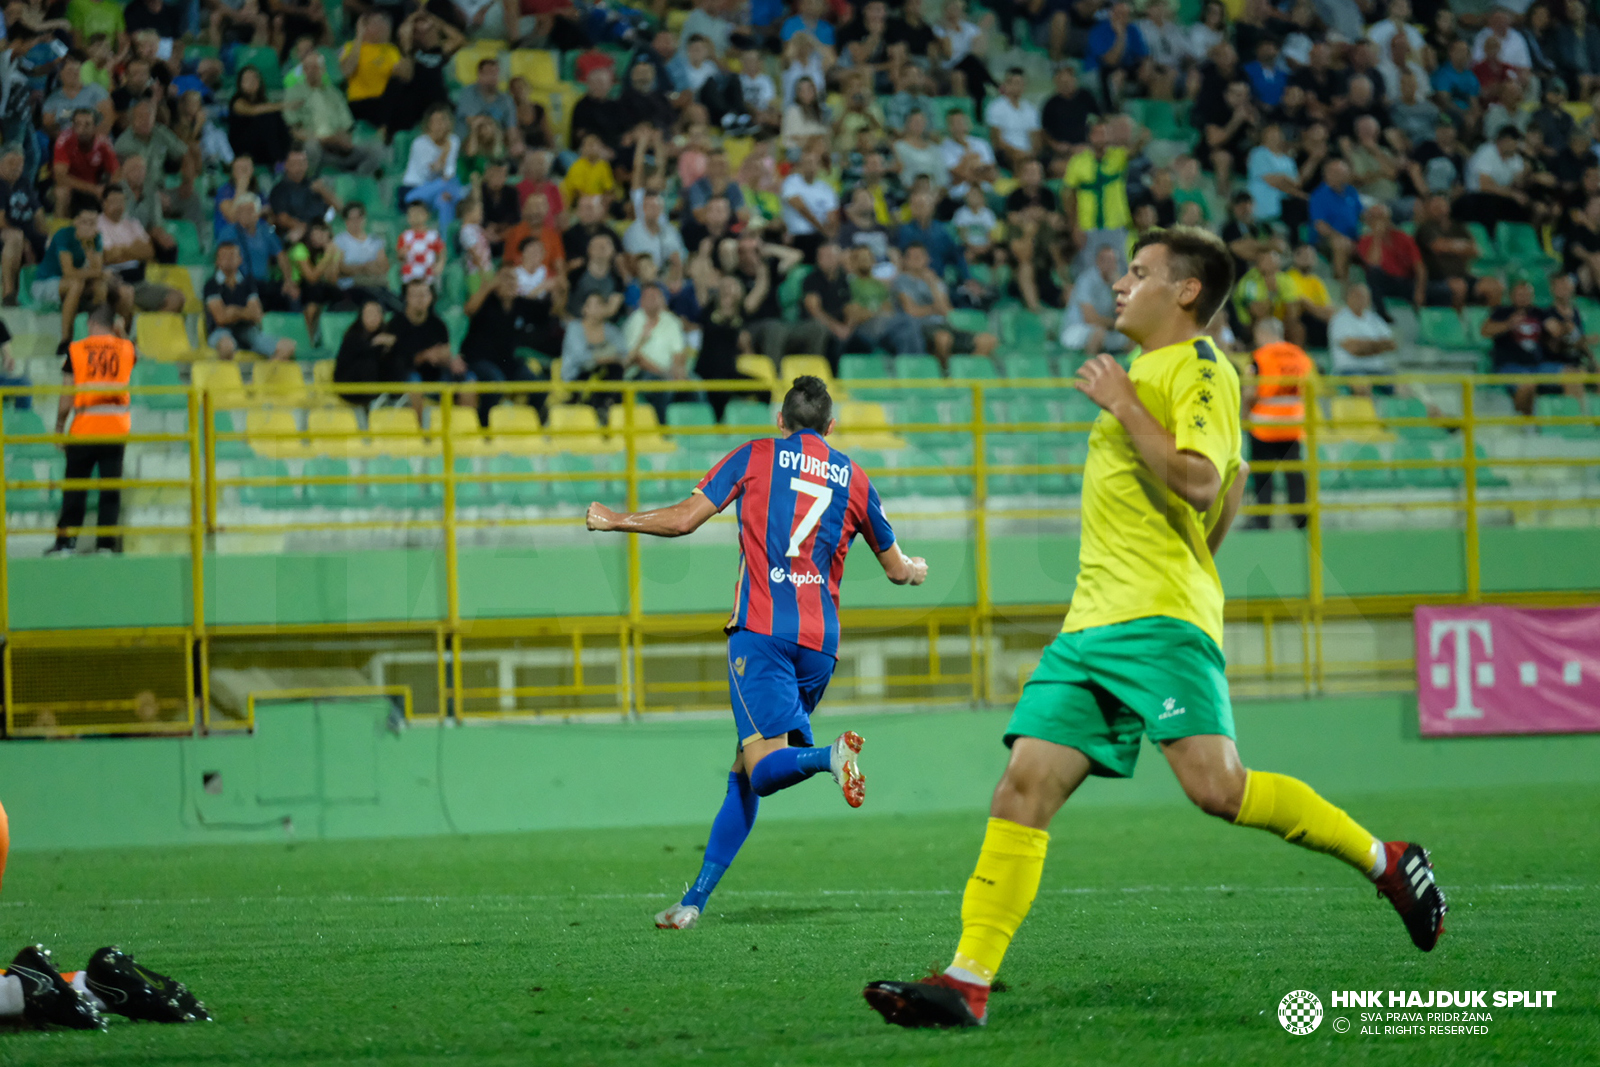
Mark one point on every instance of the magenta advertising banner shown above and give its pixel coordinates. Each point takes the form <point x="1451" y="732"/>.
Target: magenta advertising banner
<point x="1501" y="670"/>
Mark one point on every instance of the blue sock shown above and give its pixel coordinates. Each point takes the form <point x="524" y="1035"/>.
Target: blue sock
<point x="728" y="831"/>
<point x="788" y="766"/>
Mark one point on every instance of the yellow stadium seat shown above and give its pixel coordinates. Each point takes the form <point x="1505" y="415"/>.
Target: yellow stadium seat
<point x="584" y="430"/>
<point x="279" y="383"/>
<point x="220" y="378"/>
<point x="179" y="278"/>
<point x="759" y="367"/>
<point x="161" y="336"/>
<point x="537" y="67"/>
<point x="334" y="432"/>
<point x="1355" y="418"/>
<point x="864" y="426"/>
<point x="676" y="19"/>
<point x="793" y="367"/>
<point x="466" y="435"/>
<point x="515" y="429"/>
<point x="736" y="148"/>
<point x="395" y="432"/>
<point x="270" y="433"/>
<point x="647" y="429"/>
<point x="470" y="56"/>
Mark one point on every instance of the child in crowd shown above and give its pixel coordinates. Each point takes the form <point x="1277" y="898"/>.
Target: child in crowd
<point x="476" y="257"/>
<point x="534" y="280"/>
<point x="421" y="248"/>
<point x="315" y="261"/>
<point x="1188" y="191"/>
<point x="975" y="222"/>
<point x="590" y="174"/>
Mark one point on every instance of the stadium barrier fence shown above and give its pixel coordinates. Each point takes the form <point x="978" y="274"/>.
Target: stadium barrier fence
<point x="626" y="663"/>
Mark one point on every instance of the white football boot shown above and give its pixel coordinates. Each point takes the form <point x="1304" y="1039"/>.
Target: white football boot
<point x="678" y="917"/>
<point x="846" y="771"/>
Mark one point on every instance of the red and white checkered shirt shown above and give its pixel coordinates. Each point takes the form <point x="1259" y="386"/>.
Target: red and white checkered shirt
<point x="421" y="255"/>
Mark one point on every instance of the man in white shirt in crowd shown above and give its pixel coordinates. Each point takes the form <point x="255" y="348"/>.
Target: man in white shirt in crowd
<point x="127" y="249"/>
<point x="653" y="236"/>
<point x="1092" y="307"/>
<point x="966" y="158"/>
<point x="1494" y="177"/>
<point x="810" y="206"/>
<point x="1358" y="338"/>
<point x="657" y="348"/>
<point x="1014" y="122"/>
<point x="1398" y="22"/>
<point x="1513" y="48"/>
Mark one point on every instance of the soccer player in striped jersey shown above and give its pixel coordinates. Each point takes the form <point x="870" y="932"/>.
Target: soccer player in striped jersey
<point x="800" y="503"/>
<point x="1141" y="650"/>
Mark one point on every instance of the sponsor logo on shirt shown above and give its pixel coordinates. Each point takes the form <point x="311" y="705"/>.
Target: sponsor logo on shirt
<point x="779" y="576"/>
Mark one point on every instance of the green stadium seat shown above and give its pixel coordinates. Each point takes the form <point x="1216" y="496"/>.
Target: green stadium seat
<point x="410" y="494"/>
<point x="1564" y="407"/>
<point x="1406" y="407"/>
<point x="1519" y="243"/>
<point x="333" y="325"/>
<point x="1036" y="409"/>
<point x="1475" y="316"/>
<point x="1059" y="451"/>
<point x="925" y="409"/>
<point x="1489" y="258"/>
<point x="973" y="367"/>
<point x="1027" y="365"/>
<point x="1012" y="449"/>
<point x="1076" y="407"/>
<point x="859" y="367"/>
<point x="236" y="448"/>
<point x="917" y="368"/>
<point x="1381" y="478"/>
<point x="752" y="413"/>
<point x="46" y="500"/>
<point x="1486" y="477"/>
<point x="789" y="292"/>
<point x="1420" y="478"/>
<point x="469" y="494"/>
<point x="150" y="372"/>
<point x="930" y="484"/>
<point x="690" y="413"/>
<point x="190" y="251"/>
<point x="330" y="496"/>
<point x="265" y="60"/>
<point x="364" y="190"/>
<point x="290" y="325"/>
<point x="17" y="421"/>
<point x="580" y="492"/>
<point x="282" y="495"/>
<point x="455" y="320"/>
<point x="967" y="320"/>
<point x="1444" y="328"/>
<point x="529" y="493"/>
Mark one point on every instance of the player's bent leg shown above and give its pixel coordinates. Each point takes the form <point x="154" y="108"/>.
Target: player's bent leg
<point x="774" y="766"/>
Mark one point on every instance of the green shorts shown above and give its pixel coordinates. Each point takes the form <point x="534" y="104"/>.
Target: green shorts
<point x="1098" y="690"/>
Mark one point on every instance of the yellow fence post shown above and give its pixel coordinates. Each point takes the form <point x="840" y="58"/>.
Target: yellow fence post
<point x="1469" y="483"/>
<point x="980" y="501"/>
<point x="452" y="579"/>
<point x="5" y="557"/>
<point x="1314" y="587"/>
<point x="630" y="405"/>
<point x="198" y="476"/>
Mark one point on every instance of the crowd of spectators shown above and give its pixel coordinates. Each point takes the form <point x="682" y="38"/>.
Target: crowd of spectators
<point x="872" y="146"/>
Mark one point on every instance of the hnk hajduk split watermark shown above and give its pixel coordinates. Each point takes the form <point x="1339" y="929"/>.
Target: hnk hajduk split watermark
<point x="1407" y="1012"/>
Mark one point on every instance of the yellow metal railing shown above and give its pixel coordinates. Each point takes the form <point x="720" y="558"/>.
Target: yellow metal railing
<point x="974" y="475"/>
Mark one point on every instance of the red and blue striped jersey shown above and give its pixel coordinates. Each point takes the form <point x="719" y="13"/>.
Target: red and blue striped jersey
<point x="801" y="503"/>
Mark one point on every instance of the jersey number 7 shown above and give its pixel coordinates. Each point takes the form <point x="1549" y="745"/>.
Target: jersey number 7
<point x="821" y="497"/>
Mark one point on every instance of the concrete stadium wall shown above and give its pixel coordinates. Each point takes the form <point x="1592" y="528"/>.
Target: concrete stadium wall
<point x="333" y="770"/>
<point x="697" y="576"/>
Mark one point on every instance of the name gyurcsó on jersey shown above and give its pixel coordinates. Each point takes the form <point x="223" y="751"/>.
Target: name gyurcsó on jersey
<point x="837" y="473"/>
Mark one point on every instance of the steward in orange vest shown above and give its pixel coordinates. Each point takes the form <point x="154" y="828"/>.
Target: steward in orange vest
<point x="98" y="420"/>
<point x="1278" y="410"/>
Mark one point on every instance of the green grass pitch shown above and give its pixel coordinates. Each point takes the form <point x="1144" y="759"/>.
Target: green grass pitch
<point x="538" y="948"/>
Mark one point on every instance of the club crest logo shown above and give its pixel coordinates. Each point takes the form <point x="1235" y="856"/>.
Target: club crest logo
<point x="738" y="666"/>
<point x="1300" y="1012"/>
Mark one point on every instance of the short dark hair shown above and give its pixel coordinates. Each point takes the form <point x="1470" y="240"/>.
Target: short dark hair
<point x="1243" y="197"/>
<point x="807" y="405"/>
<point x="1018" y="71"/>
<point x="486" y="61"/>
<point x="354" y="205"/>
<point x="1196" y="253"/>
<point x="101" y="315"/>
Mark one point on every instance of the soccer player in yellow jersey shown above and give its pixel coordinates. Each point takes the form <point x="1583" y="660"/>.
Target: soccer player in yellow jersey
<point x="1141" y="651"/>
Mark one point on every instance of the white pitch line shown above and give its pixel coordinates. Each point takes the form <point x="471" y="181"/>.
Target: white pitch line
<point x="520" y="898"/>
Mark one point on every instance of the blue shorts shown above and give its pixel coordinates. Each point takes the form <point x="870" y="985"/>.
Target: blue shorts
<point x="774" y="685"/>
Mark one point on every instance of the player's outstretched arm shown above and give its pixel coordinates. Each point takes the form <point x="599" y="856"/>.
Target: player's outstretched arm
<point x="682" y="518"/>
<point x="901" y="568"/>
<point x="1192" y="476"/>
<point x="1230" y="508"/>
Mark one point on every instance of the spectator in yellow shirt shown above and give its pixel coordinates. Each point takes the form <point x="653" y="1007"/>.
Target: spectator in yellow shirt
<point x="590" y="174"/>
<point x="374" y="69"/>
<point x="1313" y="307"/>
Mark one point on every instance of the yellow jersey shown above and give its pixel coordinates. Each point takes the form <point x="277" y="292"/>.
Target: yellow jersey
<point x="1143" y="549"/>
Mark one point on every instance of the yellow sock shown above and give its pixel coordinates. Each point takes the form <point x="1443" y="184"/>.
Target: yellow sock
<point x="999" y="894"/>
<point x="1291" y="809"/>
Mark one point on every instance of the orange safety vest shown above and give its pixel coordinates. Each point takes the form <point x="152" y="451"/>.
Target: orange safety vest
<point x="1280" y="407"/>
<point x="101" y="360"/>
